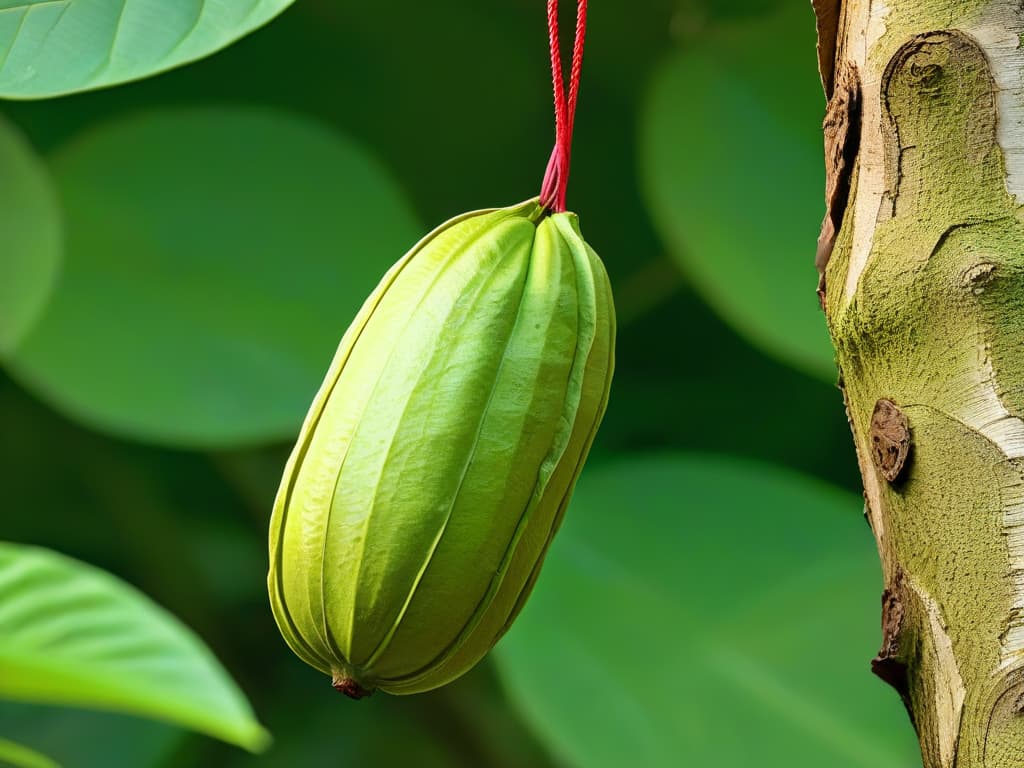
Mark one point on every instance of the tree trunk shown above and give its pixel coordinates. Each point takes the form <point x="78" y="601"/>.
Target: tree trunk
<point x="922" y="261"/>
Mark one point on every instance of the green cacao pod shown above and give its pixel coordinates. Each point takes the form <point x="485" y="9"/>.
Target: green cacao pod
<point x="438" y="457"/>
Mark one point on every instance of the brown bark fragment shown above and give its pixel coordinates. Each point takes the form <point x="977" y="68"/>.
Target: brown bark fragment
<point x="889" y="664"/>
<point x="890" y="439"/>
<point x="842" y="142"/>
<point x="826" y="13"/>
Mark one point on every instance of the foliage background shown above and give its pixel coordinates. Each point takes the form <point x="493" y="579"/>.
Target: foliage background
<point x="713" y="599"/>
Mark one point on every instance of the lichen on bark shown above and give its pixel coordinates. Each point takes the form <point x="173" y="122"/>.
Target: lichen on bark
<point x="924" y="297"/>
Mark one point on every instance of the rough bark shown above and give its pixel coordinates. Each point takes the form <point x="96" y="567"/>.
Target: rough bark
<point x="922" y="282"/>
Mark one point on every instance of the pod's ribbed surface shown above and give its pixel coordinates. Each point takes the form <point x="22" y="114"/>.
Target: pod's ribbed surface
<point x="438" y="457"/>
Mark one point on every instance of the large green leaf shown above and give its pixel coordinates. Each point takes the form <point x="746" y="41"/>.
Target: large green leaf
<point x="30" y="228"/>
<point x="19" y="756"/>
<point x="214" y="257"/>
<point x="53" y="47"/>
<point x="71" y="634"/>
<point x="733" y="174"/>
<point x="707" y="611"/>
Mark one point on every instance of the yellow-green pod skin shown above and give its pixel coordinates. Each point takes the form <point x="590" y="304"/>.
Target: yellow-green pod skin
<point x="438" y="457"/>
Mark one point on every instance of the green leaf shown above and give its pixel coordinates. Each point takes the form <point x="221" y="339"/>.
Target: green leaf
<point x="732" y="171"/>
<point x="214" y="258"/>
<point x="30" y="223"/>
<point x="73" y="635"/>
<point x="707" y="611"/>
<point x="22" y="757"/>
<point x="54" y="47"/>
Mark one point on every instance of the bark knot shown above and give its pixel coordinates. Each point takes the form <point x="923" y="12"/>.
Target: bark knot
<point x="890" y="439"/>
<point x="978" y="277"/>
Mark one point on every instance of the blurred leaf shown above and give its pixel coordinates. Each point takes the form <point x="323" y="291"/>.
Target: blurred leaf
<point x="227" y="556"/>
<point x="77" y="738"/>
<point x="30" y="223"/>
<point x="23" y="757"/>
<point x="653" y="380"/>
<point x="53" y="47"/>
<point x="493" y="142"/>
<point x="254" y="474"/>
<point x="476" y="708"/>
<point x="72" y="634"/>
<point x="315" y="726"/>
<point x="136" y="511"/>
<point x="214" y="258"/>
<point x="707" y="611"/>
<point x="338" y="733"/>
<point x="732" y="169"/>
<point x="733" y="8"/>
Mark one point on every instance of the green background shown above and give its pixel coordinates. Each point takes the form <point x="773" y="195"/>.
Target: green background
<point x="713" y="598"/>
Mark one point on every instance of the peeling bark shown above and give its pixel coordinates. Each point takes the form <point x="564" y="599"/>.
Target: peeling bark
<point x="922" y="264"/>
<point x="827" y="14"/>
<point x="842" y="140"/>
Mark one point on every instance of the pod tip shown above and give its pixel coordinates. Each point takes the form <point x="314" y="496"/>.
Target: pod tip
<point x="349" y="687"/>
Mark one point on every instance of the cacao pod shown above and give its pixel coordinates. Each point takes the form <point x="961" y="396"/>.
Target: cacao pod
<point x="439" y="455"/>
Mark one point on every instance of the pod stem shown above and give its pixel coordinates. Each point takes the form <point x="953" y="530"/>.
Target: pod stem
<point x="344" y="684"/>
<point x="556" y="177"/>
